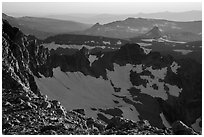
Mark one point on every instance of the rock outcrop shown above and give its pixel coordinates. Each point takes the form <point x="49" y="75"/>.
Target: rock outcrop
<point x="179" y="128"/>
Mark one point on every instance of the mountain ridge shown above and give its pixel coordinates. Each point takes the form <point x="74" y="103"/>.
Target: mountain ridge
<point x="133" y="27"/>
<point x="26" y="63"/>
<point x="44" y="27"/>
<point x="106" y="18"/>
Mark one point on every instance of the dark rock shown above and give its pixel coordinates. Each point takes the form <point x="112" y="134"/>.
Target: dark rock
<point x="119" y="123"/>
<point x="179" y="128"/>
<point x="55" y="103"/>
<point x="80" y="111"/>
<point x="112" y="111"/>
<point x="46" y="104"/>
<point x="48" y="127"/>
<point x="94" y="109"/>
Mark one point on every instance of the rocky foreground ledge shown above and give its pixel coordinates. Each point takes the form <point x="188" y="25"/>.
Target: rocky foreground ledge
<point x="25" y="113"/>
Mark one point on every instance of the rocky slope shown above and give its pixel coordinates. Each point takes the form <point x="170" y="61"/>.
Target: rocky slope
<point x="130" y="81"/>
<point x="25" y="110"/>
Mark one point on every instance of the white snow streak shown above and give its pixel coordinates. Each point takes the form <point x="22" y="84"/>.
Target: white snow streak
<point x="165" y="122"/>
<point x="92" y="58"/>
<point x="174" y="66"/>
<point x="183" y="51"/>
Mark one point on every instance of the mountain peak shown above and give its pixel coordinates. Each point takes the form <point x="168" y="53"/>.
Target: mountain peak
<point x="96" y="25"/>
<point x="155" y="32"/>
<point x="4" y="15"/>
<point x="130" y="18"/>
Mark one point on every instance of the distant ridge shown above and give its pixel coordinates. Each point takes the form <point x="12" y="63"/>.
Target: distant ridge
<point x="194" y="15"/>
<point x="44" y="27"/>
<point x="134" y="27"/>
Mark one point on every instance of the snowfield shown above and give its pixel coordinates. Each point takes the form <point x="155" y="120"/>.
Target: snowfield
<point x="158" y="73"/>
<point x="54" y="46"/>
<point x="75" y="90"/>
<point x="120" y="77"/>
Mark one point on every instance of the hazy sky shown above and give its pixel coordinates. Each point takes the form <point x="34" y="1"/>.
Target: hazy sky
<point x="40" y="8"/>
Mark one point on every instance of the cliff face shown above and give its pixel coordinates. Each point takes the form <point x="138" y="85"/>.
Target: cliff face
<point x="25" y="110"/>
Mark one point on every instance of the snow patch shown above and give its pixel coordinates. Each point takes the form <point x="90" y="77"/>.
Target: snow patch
<point x="130" y="114"/>
<point x="144" y="44"/>
<point x="175" y="27"/>
<point x="148" y="40"/>
<point x="119" y="42"/>
<point x="92" y="58"/>
<point x="149" y="90"/>
<point x="41" y="75"/>
<point x="174" y="66"/>
<point x="146" y="51"/>
<point x="159" y="92"/>
<point x="163" y="40"/>
<point x="102" y="47"/>
<point x="120" y="77"/>
<point x="106" y="42"/>
<point x="89" y="92"/>
<point x="173" y="90"/>
<point x="196" y="125"/>
<point x="138" y="68"/>
<point x="183" y="51"/>
<point x="164" y="121"/>
<point x="132" y="29"/>
<point x="55" y="46"/>
<point x="170" y="41"/>
<point x="158" y="73"/>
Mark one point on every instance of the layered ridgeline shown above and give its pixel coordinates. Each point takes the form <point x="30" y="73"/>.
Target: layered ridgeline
<point x="150" y="90"/>
<point x="44" y="27"/>
<point x="133" y="27"/>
